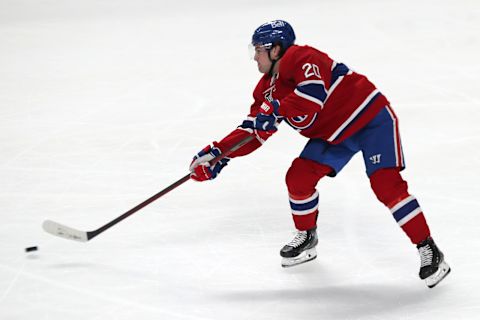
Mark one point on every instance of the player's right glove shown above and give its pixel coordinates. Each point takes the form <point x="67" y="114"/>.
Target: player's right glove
<point x="200" y="166"/>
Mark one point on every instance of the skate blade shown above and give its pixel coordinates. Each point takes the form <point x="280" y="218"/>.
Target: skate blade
<point x="303" y="257"/>
<point x="442" y="272"/>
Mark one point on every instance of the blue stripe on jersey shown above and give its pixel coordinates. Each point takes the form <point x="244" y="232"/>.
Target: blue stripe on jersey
<point x="304" y="206"/>
<point x="406" y="209"/>
<point x="315" y="90"/>
<point x="339" y="70"/>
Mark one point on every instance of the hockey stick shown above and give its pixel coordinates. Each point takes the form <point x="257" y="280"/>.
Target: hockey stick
<point x="66" y="232"/>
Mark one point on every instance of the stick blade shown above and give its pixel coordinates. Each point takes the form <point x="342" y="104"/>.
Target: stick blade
<point x="63" y="231"/>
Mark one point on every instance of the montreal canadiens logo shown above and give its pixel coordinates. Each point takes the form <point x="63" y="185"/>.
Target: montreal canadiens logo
<point x="302" y="122"/>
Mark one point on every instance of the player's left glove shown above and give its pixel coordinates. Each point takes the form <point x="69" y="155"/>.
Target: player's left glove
<point x="200" y="166"/>
<point x="268" y="118"/>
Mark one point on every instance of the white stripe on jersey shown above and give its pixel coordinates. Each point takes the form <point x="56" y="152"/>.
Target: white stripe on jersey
<point x="353" y="115"/>
<point x="310" y="98"/>
<point x="337" y="82"/>
<point x="307" y="82"/>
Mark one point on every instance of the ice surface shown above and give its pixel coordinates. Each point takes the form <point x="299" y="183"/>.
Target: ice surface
<point x="103" y="104"/>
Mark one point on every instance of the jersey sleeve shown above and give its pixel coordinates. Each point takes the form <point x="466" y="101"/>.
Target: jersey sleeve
<point x="245" y="129"/>
<point x="310" y="73"/>
<point x="233" y="138"/>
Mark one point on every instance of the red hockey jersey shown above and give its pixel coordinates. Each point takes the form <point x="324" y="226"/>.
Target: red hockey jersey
<point x="319" y="98"/>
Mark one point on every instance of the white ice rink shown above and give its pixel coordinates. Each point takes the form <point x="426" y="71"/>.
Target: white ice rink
<point x="104" y="103"/>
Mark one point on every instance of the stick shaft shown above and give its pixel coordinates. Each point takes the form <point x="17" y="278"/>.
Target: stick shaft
<point x="145" y="203"/>
<point x="92" y="234"/>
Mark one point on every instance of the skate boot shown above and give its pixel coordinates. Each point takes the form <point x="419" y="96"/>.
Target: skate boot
<point x="301" y="249"/>
<point x="433" y="268"/>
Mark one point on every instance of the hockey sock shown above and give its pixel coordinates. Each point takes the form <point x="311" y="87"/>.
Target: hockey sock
<point x="392" y="191"/>
<point x="410" y="218"/>
<point x="301" y="179"/>
<point x="304" y="211"/>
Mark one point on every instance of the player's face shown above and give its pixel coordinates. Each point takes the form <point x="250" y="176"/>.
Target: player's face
<point x="262" y="59"/>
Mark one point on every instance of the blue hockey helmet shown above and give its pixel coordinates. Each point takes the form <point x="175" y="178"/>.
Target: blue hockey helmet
<point x="272" y="33"/>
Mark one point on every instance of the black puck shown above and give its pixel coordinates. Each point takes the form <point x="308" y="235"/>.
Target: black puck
<point x="30" y="249"/>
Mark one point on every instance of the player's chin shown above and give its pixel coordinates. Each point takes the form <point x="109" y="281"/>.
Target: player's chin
<point x="262" y="69"/>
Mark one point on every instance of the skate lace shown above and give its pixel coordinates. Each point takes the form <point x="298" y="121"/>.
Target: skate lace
<point x="300" y="238"/>
<point x="426" y="255"/>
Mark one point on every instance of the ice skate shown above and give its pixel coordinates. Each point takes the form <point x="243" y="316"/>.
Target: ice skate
<point x="301" y="249"/>
<point x="433" y="268"/>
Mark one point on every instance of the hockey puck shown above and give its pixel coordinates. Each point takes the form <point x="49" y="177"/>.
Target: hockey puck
<point x="30" y="249"/>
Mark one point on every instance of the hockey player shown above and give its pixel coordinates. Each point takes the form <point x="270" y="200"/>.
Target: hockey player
<point x="341" y="113"/>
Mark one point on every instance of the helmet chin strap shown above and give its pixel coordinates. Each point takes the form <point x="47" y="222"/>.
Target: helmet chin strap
<point x="270" y="72"/>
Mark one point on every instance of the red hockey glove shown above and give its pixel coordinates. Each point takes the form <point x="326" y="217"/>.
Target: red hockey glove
<point x="201" y="168"/>
<point x="268" y="118"/>
<point x="266" y="122"/>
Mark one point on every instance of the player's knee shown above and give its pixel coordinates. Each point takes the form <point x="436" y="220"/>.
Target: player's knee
<point x="388" y="185"/>
<point x="303" y="175"/>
